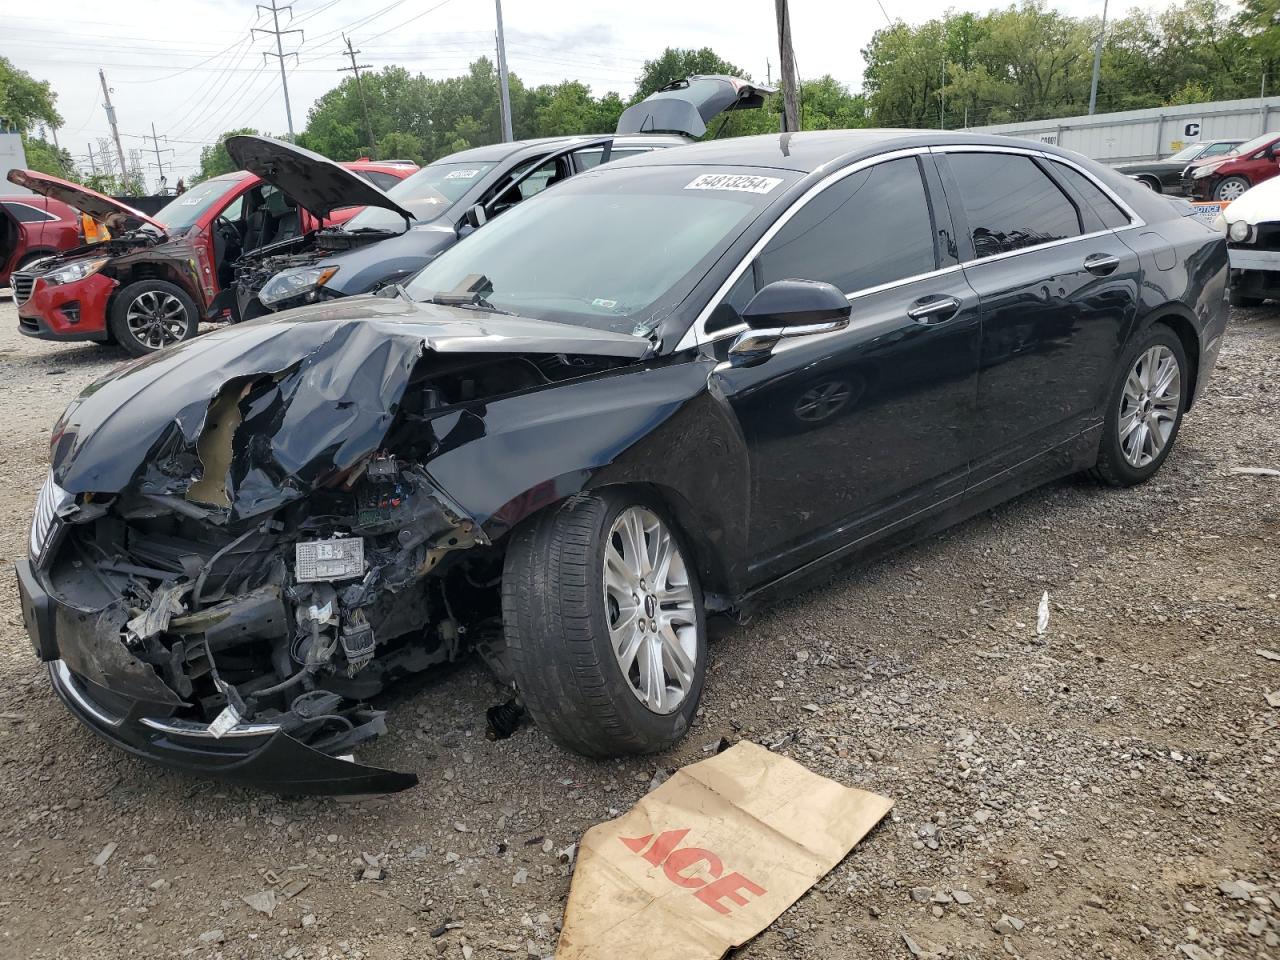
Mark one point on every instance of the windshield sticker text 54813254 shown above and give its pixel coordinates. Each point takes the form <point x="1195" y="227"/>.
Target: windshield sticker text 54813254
<point x="733" y="181"/>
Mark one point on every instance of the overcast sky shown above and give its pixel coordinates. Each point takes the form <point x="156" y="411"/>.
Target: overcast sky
<point x="192" y="70"/>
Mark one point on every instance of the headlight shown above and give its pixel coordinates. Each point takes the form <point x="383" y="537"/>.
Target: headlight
<point x="291" y="284"/>
<point x="49" y="501"/>
<point x="1239" y="231"/>
<point x="75" y="271"/>
<point x="1201" y="172"/>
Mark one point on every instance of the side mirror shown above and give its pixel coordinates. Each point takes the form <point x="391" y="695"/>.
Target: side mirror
<point x="789" y="308"/>
<point x="475" y="217"/>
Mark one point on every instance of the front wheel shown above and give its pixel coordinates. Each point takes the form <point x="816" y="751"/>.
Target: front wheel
<point x="604" y="623"/>
<point x="1145" y="408"/>
<point x="1230" y="189"/>
<point x="151" y="314"/>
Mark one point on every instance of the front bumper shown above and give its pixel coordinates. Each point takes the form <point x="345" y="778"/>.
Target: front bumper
<point x="1250" y="258"/>
<point x="259" y="755"/>
<point x="67" y="311"/>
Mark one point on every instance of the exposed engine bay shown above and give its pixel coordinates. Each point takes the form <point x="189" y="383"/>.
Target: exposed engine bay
<point x="279" y="552"/>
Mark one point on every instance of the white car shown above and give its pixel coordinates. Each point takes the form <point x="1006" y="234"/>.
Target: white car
<point x="1252" y="226"/>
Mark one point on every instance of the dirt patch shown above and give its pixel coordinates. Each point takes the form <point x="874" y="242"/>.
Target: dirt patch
<point x="1108" y="789"/>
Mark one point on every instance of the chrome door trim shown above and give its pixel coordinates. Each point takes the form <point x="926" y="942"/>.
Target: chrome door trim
<point x="697" y="333"/>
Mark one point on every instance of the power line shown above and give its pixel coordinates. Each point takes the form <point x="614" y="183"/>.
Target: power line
<point x="280" y="54"/>
<point x="409" y="21"/>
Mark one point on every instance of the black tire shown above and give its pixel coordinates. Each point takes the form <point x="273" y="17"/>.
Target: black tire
<point x="1221" y="188"/>
<point x="1112" y="467"/>
<point x="557" y="631"/>
<point x="1151" y="183"/>
<point x="1241" y="300"/>
<point x="138" y="344"/>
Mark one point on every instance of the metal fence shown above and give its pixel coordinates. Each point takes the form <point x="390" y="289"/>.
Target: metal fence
<point x="1149" y="134"/>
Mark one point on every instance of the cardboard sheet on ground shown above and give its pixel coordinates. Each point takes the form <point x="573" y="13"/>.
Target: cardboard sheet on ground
<point x="710" y="858"/>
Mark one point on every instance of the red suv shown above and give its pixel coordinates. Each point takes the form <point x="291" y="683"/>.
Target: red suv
<point x="1225" y="178"/>
<point x="152" y="283"/>
<point x="32" y="227"/>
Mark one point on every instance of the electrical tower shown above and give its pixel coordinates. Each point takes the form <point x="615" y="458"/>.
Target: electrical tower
<point x="280" y="54"/>
<point x="159" y="165"/>
<point x="111" y="118"/>
<point x="356" y="68"/>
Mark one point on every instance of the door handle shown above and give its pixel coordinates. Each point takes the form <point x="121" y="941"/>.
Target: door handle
<point x="1101" y="264"/>
<point x="934" y="310"/>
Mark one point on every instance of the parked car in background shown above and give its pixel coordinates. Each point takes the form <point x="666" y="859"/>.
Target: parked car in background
<point x="1227" y="178"/>
<point x="1165" y="176"/>
<point x="1252" y="228"/>
<point x="452" y="197"/>
<point x="32" y="227"/>
<point x="152" y="283"/>
<point x="681" y="383"/>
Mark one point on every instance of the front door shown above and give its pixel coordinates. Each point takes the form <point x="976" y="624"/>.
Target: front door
<point x="1058" y="293"/>
<point x="853" y="431"/>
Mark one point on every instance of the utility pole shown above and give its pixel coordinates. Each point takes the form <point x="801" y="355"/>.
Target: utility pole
<point x="280" y="54"/>
<point x="1097" y="61"/>
<point x="768" y="74"/>
<point x="155" y="144"/>
<point x="111" y="118"/>
<point x="356" y="68"/>
<point x="787" y="69"/>
<point x="504" y="90"/>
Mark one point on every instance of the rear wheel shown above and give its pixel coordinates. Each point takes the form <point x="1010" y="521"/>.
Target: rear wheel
<point x="1145" y="409"/>
<point x="1230" y="189"/>
<point x="605" y="630"/>
<point x="150" y="315"/>
<point x="1151" y="183"/>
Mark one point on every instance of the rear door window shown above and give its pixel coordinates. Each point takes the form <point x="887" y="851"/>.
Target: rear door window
<point x="1011" y="204"/>
<point x="27" y="213"/>
<point x="1106" y="209"/>
<point x="586" y="159"/>
<point x="870" y="228"/>
<point x="1217" y="149"/>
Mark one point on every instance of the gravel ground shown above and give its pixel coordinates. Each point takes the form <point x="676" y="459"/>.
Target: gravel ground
<point x="1109" y="789"/>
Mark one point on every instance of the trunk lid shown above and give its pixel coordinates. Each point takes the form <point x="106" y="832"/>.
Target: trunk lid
<point x="687" y="106"/>
<point x="316" y="182"/>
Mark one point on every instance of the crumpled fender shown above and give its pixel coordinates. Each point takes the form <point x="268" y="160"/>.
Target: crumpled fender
<point x="658" y="426"/>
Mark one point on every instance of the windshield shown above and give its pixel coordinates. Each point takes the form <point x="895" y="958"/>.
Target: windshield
<point x="1250" y="146"/>
<point x="184" y="210"/>
<point x="1187" y="153"/>
<point x="427" y="194"/>
<point x="616" y="248"/>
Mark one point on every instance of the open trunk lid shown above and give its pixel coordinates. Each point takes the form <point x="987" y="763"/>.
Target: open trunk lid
<point x="687" y="106"/>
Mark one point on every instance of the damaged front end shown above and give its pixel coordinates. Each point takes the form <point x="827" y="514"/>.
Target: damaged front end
<point x="227" y="567"/>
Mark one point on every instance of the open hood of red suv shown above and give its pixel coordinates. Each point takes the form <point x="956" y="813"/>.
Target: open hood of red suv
<point x="118" y="217"/>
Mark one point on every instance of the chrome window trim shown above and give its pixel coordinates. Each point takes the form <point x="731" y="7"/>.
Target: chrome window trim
<point x="46" y="216"/>
<point x="697" y="333"/>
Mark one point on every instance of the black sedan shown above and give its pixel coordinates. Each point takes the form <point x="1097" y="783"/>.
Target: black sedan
<point x="673" y="386"/>
<point x="1165" y="176"/>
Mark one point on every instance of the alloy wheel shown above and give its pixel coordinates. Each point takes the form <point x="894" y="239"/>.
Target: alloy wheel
<point x="1149" y="405"/>
<point x="157" y="319"/>
<point x="650" y="607"/>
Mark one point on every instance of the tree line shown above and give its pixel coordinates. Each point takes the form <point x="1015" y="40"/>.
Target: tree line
<point x="1026" y="61"/>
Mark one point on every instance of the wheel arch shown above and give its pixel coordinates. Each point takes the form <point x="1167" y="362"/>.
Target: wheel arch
<point x="1179" y="319"/>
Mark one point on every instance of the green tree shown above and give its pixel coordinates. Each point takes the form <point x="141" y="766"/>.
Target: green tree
<point x="676" y="64"/>
<point x="214" y="159"/>
<point x="24" y="100"/>
<point x="45" y="157"/>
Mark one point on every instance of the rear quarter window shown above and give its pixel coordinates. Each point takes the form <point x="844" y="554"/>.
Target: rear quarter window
<point x="1010" y="203"/>
<point x="1108" y="212"/>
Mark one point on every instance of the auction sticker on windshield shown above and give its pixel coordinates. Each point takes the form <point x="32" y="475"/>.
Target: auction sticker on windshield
<point x="733" y="181"/>
<point x="461" y="174"/>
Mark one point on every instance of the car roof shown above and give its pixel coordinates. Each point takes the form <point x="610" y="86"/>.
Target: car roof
<point x="814" y="150"/>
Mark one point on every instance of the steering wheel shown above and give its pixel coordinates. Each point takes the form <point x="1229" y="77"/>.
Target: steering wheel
<point x="229" y="232"/>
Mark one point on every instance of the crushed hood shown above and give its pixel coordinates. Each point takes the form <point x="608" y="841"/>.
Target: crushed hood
<point x="117" y="217"/>
<point x="316" y="182"/>
<point x="687" y="106"/>
<point x="338" y="370"/>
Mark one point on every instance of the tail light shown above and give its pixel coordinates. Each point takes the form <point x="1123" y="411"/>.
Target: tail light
<point x="91" y="231"/>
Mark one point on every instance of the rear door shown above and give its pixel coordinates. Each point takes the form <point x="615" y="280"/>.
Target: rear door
<point x="853" y="431"/>
<point x="1058" y="292"/>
